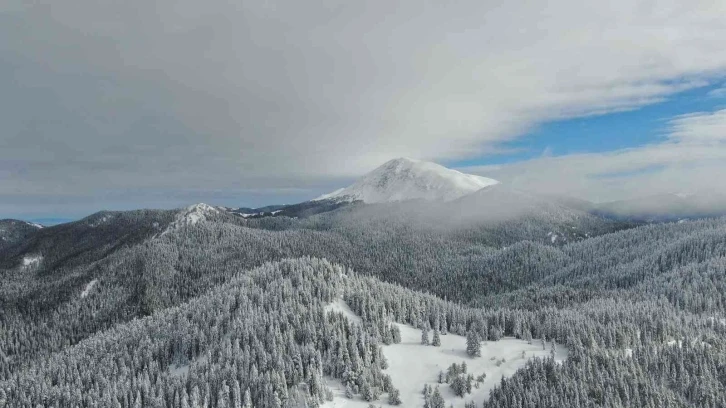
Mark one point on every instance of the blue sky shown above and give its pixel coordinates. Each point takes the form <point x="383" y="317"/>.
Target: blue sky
<point x="604" y="133"/>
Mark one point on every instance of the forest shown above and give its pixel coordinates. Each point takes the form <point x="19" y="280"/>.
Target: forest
<point x="230" y="312"/>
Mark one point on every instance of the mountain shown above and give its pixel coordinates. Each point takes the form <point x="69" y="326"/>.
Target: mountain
<point x="223" y="309"/>
<point x="14" y="231"/>
<point x="87" y="240"/>
<point x="407" y="179"/>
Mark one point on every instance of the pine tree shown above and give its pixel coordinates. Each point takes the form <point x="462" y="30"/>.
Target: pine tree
<point x="247" y="399"/>
<point x="458" y="385"/>
<point x="437" y="401"/>
<point x="437" y="339"/>
<point x="473" y="346"/>
<point x="394" y="396"/>
<point x="349" y="391"/>
<point x="396" y="334"/>
<point x="425" y="336"/>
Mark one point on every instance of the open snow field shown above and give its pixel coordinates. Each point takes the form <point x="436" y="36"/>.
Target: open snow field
<point x="411" y="365"/>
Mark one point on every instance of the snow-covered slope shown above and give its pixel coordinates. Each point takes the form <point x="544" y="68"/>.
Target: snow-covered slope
<point x="411" y="365"/>
<point x="407" y="179"/>
<point x="192" y="215"/>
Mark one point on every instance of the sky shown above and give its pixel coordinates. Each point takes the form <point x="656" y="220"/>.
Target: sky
<point x="161" y="104"/>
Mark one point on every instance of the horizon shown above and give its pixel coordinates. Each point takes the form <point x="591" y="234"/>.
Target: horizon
<point x="256" y="104"/>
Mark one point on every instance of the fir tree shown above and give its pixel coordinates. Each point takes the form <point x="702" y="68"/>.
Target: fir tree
<point x="436" y="341"/>
<point x="425" y="336"/>
<point x="473" y="346"/>
<point x="394" y="396"/>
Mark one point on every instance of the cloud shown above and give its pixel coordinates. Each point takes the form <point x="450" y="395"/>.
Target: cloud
<point x="691" y="158"/>
<point x="718" y="92"/>
<point x="236" y="95"/>
<point x="702" y="127"/>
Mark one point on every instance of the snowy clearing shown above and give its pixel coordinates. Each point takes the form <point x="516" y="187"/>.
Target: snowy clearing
<point x="32" y="260"/>
<point x="88" y="288"/>
<point x="411" y="365"/>
<point x="339" y="305"/>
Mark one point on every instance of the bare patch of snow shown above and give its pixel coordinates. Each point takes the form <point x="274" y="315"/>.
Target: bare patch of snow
<point x="32" y="260"/>
<point x="88" y="288"/>
<point x="411" y="365"/>
<point x="339" y="305"/>
<point x="178" y="370"/>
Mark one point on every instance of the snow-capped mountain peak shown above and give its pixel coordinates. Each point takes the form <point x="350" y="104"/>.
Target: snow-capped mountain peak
<point x="191" y="215"/>
<point x="408" y="179"/>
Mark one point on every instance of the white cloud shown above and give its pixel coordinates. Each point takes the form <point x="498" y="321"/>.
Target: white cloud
<point x="691" y="158"/>
<point x="184" y="95"/>
<point x="704" y="128"/>
<point x="718" y="92"/>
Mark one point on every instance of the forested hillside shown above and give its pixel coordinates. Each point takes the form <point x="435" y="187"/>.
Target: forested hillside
<point x="167" y="309"/>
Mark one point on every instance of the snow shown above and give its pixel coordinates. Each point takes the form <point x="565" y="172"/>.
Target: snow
<point x="339" y="305"/>
<point x="178" y="370"/>
<point x="247" y="215"/>
<point x="334" y="194"/>
<point x="32" y="260"/>
<point x="88" y="288"/>
<point x="407" y="179"/>
<point x="191" y="215"/>
<point x="36" y="225"/>
<point x="411" y="365"/>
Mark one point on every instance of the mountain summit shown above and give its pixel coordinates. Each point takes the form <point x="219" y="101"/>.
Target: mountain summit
<point x="408" y="179"/>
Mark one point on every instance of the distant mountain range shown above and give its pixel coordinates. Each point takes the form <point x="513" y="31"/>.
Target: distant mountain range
<point x="405" y="180"/>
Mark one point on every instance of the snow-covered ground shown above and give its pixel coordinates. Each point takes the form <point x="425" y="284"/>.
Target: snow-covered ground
<point x="88" y="288"/>
<point x="32" y="260"/>
<point x="339" y="305"/>
<point x="553" y="236"/>
<point x="411" y="365"/>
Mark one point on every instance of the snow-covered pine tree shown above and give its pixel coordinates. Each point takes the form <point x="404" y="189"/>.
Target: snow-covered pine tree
<point x="437" y="401"/>
<point x="436" y="341"/>
<point x="394" y="396"/>
<point x="473" y="346"/>
<point x="425" y="336"/>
